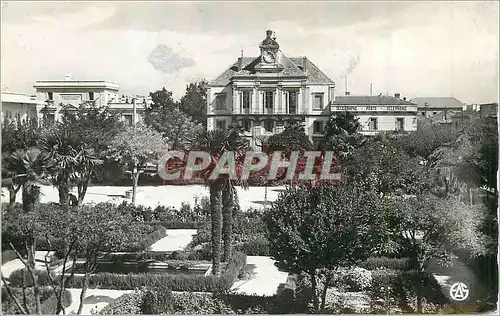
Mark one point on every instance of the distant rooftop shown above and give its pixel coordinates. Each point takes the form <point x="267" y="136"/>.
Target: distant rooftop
<point x="438" y="102"/>
<point x="18" y="97"/>
<point x="369" y="100"/>
<point x="68" y="83"/>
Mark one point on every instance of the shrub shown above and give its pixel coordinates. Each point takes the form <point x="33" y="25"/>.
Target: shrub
<point x="200" y="304"/>
<point x="148" y="240"/>
<point x="255" y="247"/>
<point x="403" y="286"/>
<point x="386" y="263"/>
<point x="8" y="255"/>
<point x="47" y="299"/>
<point x="358" y="279"/>
<point x="16" y="278"/>
<point x="158" y="300"/>
<point x="127" y="304"/>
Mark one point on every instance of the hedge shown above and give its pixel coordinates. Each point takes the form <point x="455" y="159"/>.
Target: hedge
<point x="149" y="240"/>
<point x="178" y="224"/>
<point x="375" y="263"/>
<point x="256" y="247"/>
<point x="16" y="278"/>
<point x="47" y="298"/>
<point x="127" y="304"/>
<point x="404" y="285"/>
<point x="190" y="283"/>
<point x="8" y="255"/>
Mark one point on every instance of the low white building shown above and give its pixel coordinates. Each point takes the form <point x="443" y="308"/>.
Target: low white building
<point x="379" y="113"/>
<point x="20" y="105"/>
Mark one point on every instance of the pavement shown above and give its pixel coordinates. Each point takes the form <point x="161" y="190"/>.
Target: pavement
<point x="167" y="195"/>
<point x="176" y="239"/>
<point x="265" y="278"/>
<point x="95" y="300"/>
<point x="16" y="264"/>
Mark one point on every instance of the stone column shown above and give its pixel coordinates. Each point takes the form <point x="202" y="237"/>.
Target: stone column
<point x="304" y="104"/>
<point x="236" y="100"/>
<point x="279" y="94"/>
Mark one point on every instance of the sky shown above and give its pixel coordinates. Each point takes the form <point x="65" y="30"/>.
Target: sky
<point x="412" y="48"/>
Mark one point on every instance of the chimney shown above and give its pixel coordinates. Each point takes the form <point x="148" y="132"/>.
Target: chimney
<point x="269" y="33"/>
<point x="397" y="95"/>
<point x="240" y="62"/>
<point x="68" y="77"/>
<point x="304" y="64"/>
<point x="347" y="93"/>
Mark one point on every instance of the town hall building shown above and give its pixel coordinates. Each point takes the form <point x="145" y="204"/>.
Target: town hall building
<point x="266" y="93"/>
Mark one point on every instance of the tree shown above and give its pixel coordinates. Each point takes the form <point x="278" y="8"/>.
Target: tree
<point x="93" y="127"/>
<point x="17" y="134"/>
<point x="162" y="99"/>
<point x="136" y="147"/>
<point x="101" y="229"/>
<point x="314" y="228"/>
<point x="293" y="138"/>
<point x="340" y="123"/>
<point x="194" y="102"/>
<point x="29" y="168"/>
<point x="427" y="227"/>
<point x="74" y="160"/>
<point x="221" y="189"/>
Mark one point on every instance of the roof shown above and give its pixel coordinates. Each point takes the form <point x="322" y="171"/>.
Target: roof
<point x="101" y="84"/>
<point x="438" y="102"/>
<point x="292" y="66"/>
<point x="370" y="100"/>
<point x="16" y="97"/>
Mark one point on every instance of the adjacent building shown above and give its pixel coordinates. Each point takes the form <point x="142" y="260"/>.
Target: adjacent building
<point x="20" y="106"/>
<point x="263" y="94"/>
<point x="429" y="106"/>
<point x="55" y="97"/>
<point x="380" y="113"/>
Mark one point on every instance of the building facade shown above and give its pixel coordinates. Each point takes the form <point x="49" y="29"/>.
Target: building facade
<point x="55" y="97"/>
<point x="379" y="113"/>
<point x="20" y="106"/>
<point x="264" y="94"/>
<point x="430" y="106"/>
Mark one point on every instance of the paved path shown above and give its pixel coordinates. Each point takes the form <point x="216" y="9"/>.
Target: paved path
<point x="168" y="195"/>
<point x="266" y="280"/>
<point x="96" y="299"/>
<point x="16" y="264"/>
<point x="176" y="239"/>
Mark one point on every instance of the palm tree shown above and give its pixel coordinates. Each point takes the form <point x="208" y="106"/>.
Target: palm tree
<point x="29" y="168"/>
<point x="221" y="189"/>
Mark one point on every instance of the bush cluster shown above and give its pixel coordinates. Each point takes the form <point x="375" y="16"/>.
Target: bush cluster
<point x="16" y="278"/>
<point x="404" y="286"/>
<point x="386" y="263"/>
<point x="146" y="242"/>
<point x="167" y="214"/>
<point x="127" y="304"/>
<point x="255" y="247"/>
<point x="47" y="299"/>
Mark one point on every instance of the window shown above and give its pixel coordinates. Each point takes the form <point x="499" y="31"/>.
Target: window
<point x="50" y="96"/>
<point x="400" y="124"/>
<point x="246" y="124"/>
<point x="318" y="127"/>
<point x="220" y="101"/>
<point x="292" y="102"/>
<point x="50" y="118"/>
<point x="91" y="96"/>
<point x="318" y="101"/>
<point x="128" y="119"/>
<point x="220" y="125"/>
<point x="269" y="126"/>
<point x="372" y="124"/>
<point x="434" y="113"/>
<point x="268" y="99"/>
<point x="423" y="113"/>
<point x="245" y="99"/>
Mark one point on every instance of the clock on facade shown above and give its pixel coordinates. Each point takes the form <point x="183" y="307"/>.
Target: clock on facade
<point x="268" y="57"/>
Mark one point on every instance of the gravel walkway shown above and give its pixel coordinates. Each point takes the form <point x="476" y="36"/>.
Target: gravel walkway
<point x="176" y="239"/>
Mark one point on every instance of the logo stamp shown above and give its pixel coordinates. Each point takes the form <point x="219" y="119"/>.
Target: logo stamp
<point x="459" y="291"/>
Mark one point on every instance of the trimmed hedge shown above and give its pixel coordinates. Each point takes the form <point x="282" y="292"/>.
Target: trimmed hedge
<point x="255" y="247"/>
<point x="127" y="304"/>
<point x="178" y="224"/>
<point x="149" y="240"/>
<point x="47" y="298"/>
<point x="16" y="278"/>
<point x="403" y="285"/>
<point x="8" y="255"/>
<point x="386" y="263"/>
<point x="190" y="283"/>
